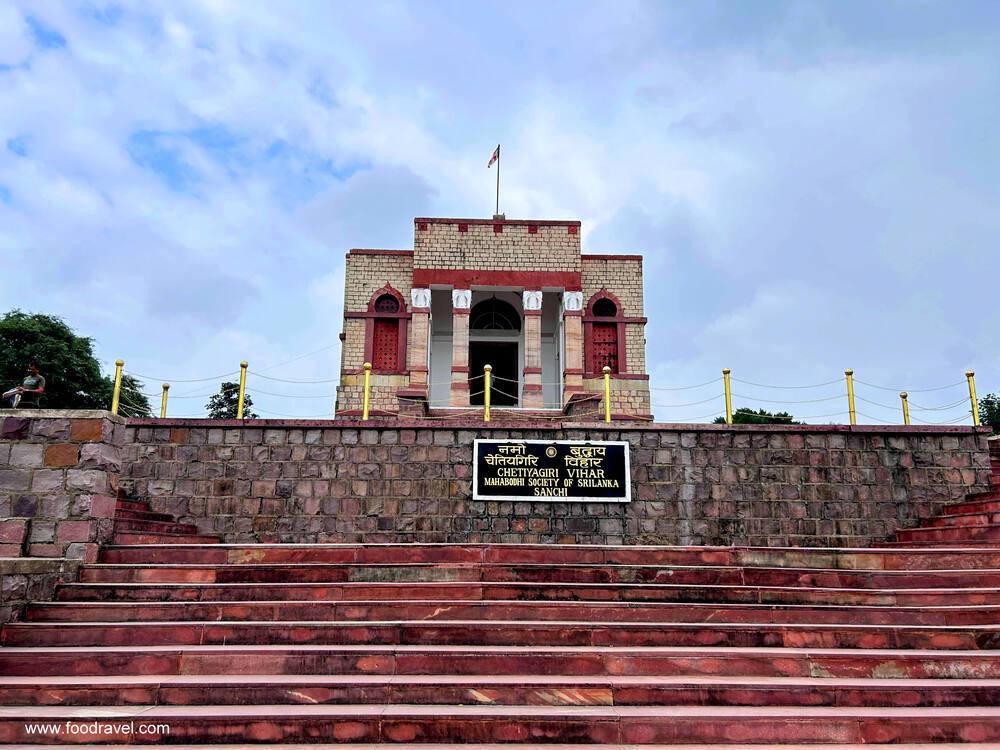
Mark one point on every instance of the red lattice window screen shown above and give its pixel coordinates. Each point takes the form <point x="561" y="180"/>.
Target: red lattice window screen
<point x="385" y="348"/>
<point x="604" y="352"/>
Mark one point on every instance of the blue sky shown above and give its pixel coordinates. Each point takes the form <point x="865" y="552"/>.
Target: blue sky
<point x="813" y="184"/>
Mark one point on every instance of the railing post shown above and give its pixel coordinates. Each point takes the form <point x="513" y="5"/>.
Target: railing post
<point x="243" y="389"/>
<point x="729" y="395"/>
<point x="971" y="377"/>
<point x="607" y="393"/>
<point x="116" y="395"/>
<point x="368" y="382"/>
<point x="487" y="378"/>
<point x="903" y="396"/>
<point x="850" y="395"/>
<point x="163" y="400"/>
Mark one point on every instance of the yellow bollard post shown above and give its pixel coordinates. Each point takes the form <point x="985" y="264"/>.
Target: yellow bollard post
<point x="729" y="395"/>
<point x="368" y="381"/>
<point x="903" y="396"/>
<point x="607" y="393"/>
<point x="163" y="400"/>
<point x="487" y="378"/>
<point x="116" y="396"/>
<point x="850" y="395"/>
<point x="243" y="389"/>
<point x="971" y="377"/>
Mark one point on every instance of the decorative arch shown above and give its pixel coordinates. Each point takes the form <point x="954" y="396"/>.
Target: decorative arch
<point x="385" y="331"/>
<point x="494" y="314"/>
<point x="604" y="334"/>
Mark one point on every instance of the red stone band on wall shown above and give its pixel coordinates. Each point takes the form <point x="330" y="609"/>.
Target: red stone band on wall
<point x="510" y="222"/>
<point x="460" y="278"/>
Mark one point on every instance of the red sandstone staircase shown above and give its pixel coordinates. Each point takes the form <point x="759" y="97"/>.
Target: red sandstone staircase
<point x="973" y="520"/>
<point x="480" y="644"/>
<point x="514" y="644"/>
<point x="136" y="523"/>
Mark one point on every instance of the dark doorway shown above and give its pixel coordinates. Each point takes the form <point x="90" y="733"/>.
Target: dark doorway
<point x="502" y="355"/>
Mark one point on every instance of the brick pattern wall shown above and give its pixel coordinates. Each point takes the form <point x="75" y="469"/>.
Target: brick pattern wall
<point x="352" y="355"/>
<point x="746" y="485"/>
<point x="629" y="398"/>
<point x="623" y="278"/>
<point x="367" y="273"/>
<point x="550" y="248"/>
<point x="58" y="481"/>
<point x="635" y="347"/>
<point x="382" y="396"/>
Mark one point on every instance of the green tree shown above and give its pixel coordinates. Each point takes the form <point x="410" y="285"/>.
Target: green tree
<point x="989" y="411"/>
<point x="73" y="378"/>
<point x="223" y="404"/>
<point x="749" y="416"/>
<point x="132" y="402"/>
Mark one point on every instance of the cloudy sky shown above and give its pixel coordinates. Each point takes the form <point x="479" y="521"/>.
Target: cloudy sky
<point x="813" y="184"/>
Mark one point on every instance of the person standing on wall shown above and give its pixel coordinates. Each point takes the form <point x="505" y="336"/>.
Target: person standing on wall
<point x="28" y="394"/>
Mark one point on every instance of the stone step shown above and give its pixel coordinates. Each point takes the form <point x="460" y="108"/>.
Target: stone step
<point x="123" y="503"/>
<point x="389" y="660"/>
<point x="510" y="611"/>
<point x="144" y="526"/>
<point x="477" y="632"/>
<point x="155" y="538"/>
<point x="945" y="535"/>
<point x="550" y="746"/>
<point x="142" y="515"/>
<point x="628" y="592"/>
<point x="645" y="725"/>
<point x="988" y="503"/>
<point x="972" y="518"/>
<point x="162" y="550"/>
<point x="537" y="574"/>
<point x="507" y="690"/>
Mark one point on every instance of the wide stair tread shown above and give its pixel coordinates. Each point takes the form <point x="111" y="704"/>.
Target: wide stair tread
<point x="576" y="724"/>
<point x="520" y="689"/>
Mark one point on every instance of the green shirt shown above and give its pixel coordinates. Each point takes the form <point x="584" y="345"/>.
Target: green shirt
<point x="32" y="382"/>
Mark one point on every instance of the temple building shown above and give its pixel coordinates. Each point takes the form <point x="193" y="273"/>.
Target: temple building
<point x="517" y="295"/>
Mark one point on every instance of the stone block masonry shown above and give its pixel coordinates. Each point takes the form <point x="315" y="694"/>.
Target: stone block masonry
<point x="766" y="485"/>
<point x="58" y="481"/>
<point x="504" y="246"/>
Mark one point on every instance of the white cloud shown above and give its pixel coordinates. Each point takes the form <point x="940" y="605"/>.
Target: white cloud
<point x="811" y="191"/>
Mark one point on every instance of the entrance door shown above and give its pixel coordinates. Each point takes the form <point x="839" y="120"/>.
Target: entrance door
<point x="502" y="355"/>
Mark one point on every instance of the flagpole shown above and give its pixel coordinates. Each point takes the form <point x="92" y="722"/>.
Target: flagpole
<point x="498" y="180"/>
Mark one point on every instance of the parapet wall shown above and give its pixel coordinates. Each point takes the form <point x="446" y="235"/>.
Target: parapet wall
<point x="306" y="481"/>
<point x="58" y="481"/>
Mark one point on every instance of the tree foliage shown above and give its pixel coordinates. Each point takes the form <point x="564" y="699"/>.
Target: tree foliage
<point x="749" y="416"/>
<point x="73" y="378"/>
<point x="132" y="402"/>
<point x="223" y="404"/>
<point x="989" y="411"/>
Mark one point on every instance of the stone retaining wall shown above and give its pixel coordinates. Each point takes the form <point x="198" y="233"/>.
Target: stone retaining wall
<point x="58" y="481"/>
<point x="303" y="481"/>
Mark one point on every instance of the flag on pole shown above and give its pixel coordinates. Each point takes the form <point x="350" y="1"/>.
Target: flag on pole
<point x="496" y="155"/>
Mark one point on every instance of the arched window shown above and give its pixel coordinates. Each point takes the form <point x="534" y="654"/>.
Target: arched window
<point x="604" y="335"/>
<point x="384" y="348"/>
<point x="494" y="315"/>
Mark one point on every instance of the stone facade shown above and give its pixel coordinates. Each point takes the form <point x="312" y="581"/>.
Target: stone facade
<point x="468" y="258"/>
<point x="476" y="245"/>
<point x="58" y="481"/>
<point x="768" y="485"/>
